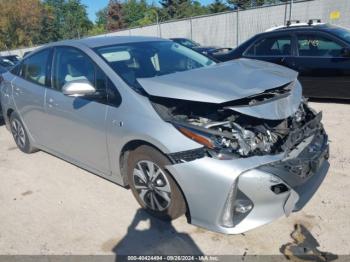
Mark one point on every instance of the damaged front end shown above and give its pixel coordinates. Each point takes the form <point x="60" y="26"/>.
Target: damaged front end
<point x="263" y="150"/>
<point x="275" y="153"/>
<point x="228" y="134"/>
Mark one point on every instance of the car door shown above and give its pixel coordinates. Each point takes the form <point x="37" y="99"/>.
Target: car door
<point x="323" y="69"/>
<point x="76" y="126"/>
<point x="276" y="49"/>
<point x="29" y="91"/>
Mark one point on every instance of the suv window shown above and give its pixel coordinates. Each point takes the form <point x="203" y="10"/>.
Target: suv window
<point x="316" y="45"/>
<point x="71" y="64"/>
<point x="271" y="46"/>
<point x="34" y="68"/>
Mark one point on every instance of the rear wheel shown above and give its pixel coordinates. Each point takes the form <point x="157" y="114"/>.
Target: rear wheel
<point x="20" y="135"/>
<point x="153" y="187"/>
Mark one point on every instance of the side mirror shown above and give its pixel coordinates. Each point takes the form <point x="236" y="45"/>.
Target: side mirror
<point x="78" y="88"/>
<point x="345" y="52"/>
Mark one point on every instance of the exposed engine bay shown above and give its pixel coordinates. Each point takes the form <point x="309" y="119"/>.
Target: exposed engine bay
<point x="228" y="134"/>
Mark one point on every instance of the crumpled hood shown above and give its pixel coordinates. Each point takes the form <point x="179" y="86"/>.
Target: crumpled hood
<point x="221" y="82"/>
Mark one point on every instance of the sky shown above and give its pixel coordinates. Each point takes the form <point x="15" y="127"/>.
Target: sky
<point x="95" y="5"/>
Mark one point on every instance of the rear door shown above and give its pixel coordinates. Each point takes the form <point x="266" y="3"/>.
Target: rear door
<point x="29" y="91"/>
<point x="76" y="126"/>
<point x="275" y="48"/>
<point x="323" y="70"/>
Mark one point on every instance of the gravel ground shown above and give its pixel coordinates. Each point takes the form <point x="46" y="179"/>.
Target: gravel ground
<point x="48" y="206"/>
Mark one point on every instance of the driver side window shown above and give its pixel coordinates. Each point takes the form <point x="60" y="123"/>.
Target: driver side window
<point x="69" y="65"/>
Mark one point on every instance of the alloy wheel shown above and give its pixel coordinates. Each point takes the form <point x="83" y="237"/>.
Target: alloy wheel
<point x="152" y="185"/>
<point x="18" y="133"/>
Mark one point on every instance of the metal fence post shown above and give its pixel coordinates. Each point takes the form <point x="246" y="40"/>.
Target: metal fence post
<point x="191" y="32"/>
<point x="237" y="27"/>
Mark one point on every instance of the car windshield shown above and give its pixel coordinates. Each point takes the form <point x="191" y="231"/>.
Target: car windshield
<point x="342" y="33"/>
<point x="150" y="59"/>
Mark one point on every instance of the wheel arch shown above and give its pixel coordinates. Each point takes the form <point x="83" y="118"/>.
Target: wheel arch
<point x="7" y="116"/>
<point x="125" y="152"/>
<point x="123" y="162"/>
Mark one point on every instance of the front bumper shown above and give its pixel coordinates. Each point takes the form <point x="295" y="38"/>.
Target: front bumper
<point x="210" y="186"/>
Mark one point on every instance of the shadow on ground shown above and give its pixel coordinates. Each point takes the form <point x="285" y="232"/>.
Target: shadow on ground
<point x="305" y="247"/>
<point x="159" y="238"/>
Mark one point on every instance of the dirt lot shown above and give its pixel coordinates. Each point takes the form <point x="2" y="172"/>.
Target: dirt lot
<point x="48" y="206"/>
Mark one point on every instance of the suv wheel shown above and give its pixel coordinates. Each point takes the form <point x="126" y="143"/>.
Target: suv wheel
<point x="153" y="187"/>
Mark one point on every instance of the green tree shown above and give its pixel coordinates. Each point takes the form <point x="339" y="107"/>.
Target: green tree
<point x="198" y="9"/>
<point x="48" y="31"/>
<point x="76" y="22"/>
<point x="243" y="4"/>
<point x="175" y="9"/>
<point x="97" y="30"/>
<point x="150" y="17"/>
<point x="134" y="11"/>
<point x="56" y="9"/>
<point x="218" y="6"/>
<point x="115" y="20"/>
<point x="101" y="17"/>
<point x="20" y="23"/>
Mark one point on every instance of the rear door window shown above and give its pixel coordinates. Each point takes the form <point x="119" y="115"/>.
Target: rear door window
<point x="34" y="68"/>
<point x="271" y="46"/>
<point x="318" y="46"/>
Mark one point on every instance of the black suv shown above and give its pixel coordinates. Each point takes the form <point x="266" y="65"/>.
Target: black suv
<point x="319" y="52"/>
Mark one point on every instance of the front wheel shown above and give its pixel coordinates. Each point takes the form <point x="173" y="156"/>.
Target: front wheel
<point x="153" y="187"/>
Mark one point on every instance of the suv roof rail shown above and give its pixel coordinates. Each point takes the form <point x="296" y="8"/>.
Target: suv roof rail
<point x="296" y="23"/>
<point x="291" y="22"/>
<point x="314" y="21"/>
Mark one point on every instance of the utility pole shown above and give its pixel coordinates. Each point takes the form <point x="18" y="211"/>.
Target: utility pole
<point x="291" y="10"/>
<point x="158" y="22"/>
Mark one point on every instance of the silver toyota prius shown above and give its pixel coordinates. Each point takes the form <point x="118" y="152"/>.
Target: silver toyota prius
<point x="232" y="145"/>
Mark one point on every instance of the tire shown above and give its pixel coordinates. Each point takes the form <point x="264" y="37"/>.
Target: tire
<point x="159" y="188"/>
<point x="20" y="134"/>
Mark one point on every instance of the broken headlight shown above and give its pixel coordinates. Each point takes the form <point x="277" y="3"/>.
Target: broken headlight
<point x="211" y="142"/>
<point x="217" y="146"/>
<point x="228" y="140"/>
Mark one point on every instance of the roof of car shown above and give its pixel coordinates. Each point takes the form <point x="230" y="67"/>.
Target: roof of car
<point x="301" y="27"/>
<point x="99" y="41"/>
